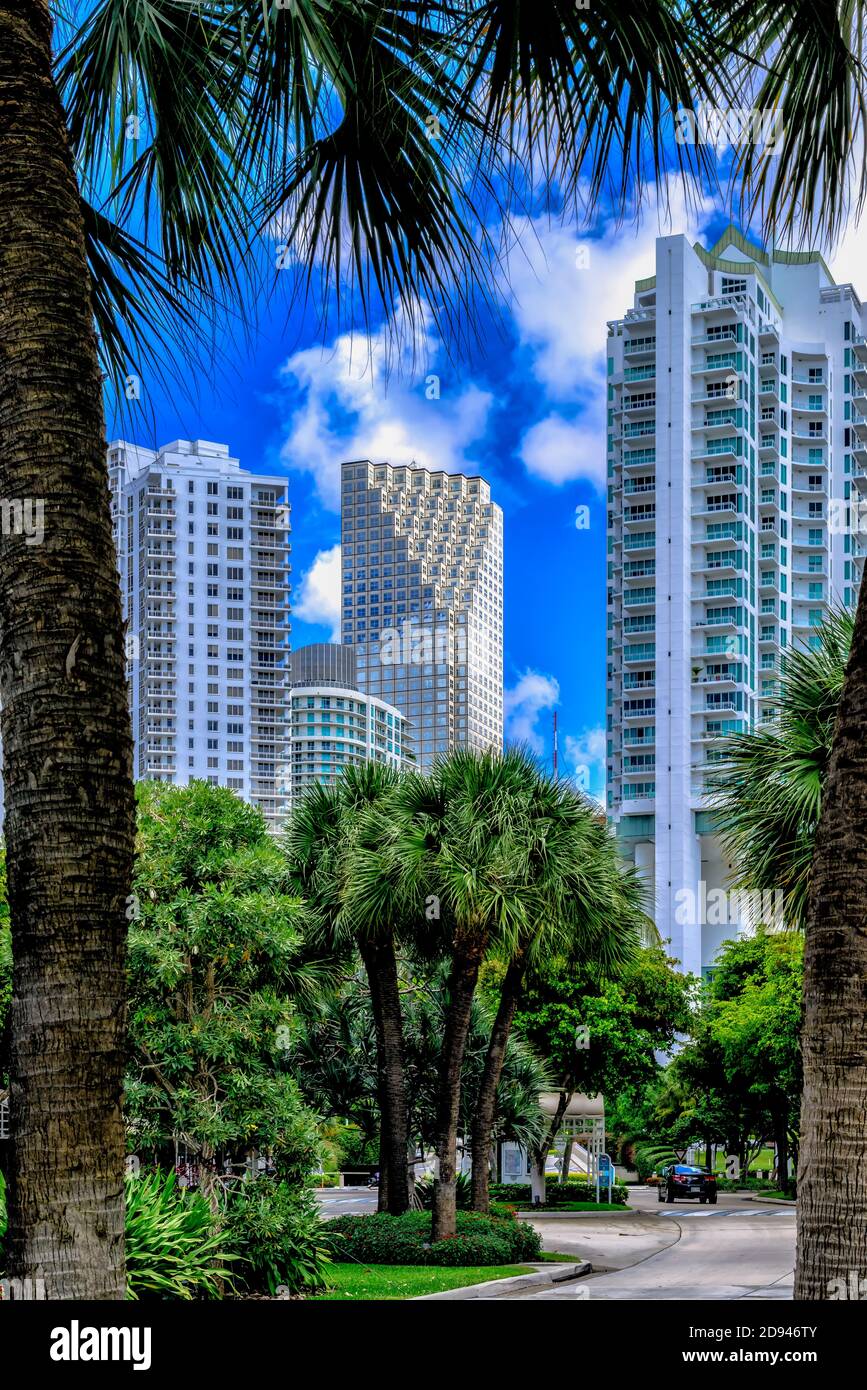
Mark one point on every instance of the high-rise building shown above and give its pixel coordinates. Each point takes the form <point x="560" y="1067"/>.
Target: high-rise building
<point x="333" y="724"/>
<point x="203" y="555"/>
<point x="737" y="454"/>
<point x="422" y="569"/>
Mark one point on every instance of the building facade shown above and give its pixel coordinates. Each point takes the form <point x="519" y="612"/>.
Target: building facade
<point x="422" y="600"/>
<point x="737" y="455"/>
<point x="203" y="556"/>
<point x="334" y="725"/>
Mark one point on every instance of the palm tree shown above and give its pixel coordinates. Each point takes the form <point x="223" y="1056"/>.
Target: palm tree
<point x="453" y="855"/>
<point x="772" y="794"/>
<point x="320" y="115"/>
<point x="766" y="784"/>
<point x="326" y="832"/>
<point x="582" y="902"/>
<point x="134" y="175"/>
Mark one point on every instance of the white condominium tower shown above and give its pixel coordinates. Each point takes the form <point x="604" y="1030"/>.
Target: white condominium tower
<point x="422" y="562"/>
<point x="737" y="452"/>
<point x="203" y="550"/>
<point x="334" y="725"/>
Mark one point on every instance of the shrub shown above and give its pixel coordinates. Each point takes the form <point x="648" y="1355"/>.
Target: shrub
<point x="276" y="1233"/>
<point x="556" y="1194"/>
<point x="405" y="1240"/>
<point x="517" y="1193"/>
<point x="175" y="1247"/>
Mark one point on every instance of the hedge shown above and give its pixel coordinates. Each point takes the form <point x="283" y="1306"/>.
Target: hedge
<point x="405" y="1240"/>
<point x="519" y="1193"/>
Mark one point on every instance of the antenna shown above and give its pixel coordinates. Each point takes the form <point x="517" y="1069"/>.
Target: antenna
<point x="556" y="774"/>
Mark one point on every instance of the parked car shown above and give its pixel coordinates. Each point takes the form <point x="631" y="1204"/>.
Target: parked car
<point x="681" y="1180"/>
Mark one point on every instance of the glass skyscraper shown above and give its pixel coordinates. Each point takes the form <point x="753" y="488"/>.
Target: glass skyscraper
<point x="422" y="600"/>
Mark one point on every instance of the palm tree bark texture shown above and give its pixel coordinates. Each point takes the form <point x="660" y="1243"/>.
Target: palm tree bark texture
<point x="486" y="1101"/>
<point x="381" y="966"/>
<point x="462" y="983"/>
<point x="67" y="748"/>
<point x="832" y="1176"/>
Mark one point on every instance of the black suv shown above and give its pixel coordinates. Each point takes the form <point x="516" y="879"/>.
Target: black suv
<point x="680" y="1180"/>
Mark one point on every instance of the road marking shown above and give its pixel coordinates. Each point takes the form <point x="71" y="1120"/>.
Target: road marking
<point x="730" y="1211"/>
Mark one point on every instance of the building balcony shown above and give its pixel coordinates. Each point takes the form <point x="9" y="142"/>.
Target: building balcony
<point x="711" y="508"/>
<point x="711" y="564"/>
<point x="859" y="424"/>
<point x="638" y="347"/>
<point x="810" y="437"/>
<point x="725" y="336"/>
<point x="713" y="477"/>
<point x="711" y="452"/>
<point x="722" y="304"/>
<point x="633" y="406"/>
<point x="645" y="373"/>
<point x="714" y="427"/>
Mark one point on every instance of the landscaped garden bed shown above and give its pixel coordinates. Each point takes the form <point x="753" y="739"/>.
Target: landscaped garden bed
<point x="380" y="1239"/>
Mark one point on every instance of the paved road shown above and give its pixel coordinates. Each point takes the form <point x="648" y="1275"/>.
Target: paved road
<point x="738" y="1249"/>
<point x="346" y="1201"/>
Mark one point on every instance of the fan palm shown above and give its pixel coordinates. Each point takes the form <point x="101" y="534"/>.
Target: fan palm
<point x="581" y="902"/>
<point x="326" y="832"/>
<point x="135" y="174"/>
<point x="453" y="854"/>
<point x="792" y="801"/>
<point x="137" y="165"/>
<point x="766" y="785"/>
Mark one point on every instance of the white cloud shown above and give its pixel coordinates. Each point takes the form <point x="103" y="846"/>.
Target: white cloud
<point x="566" y="286"/>
<point x="849" y="259"/>
<point x="559" y="450"/>
<point x="585" y="756"/>
<point x="318" y="598"/>
<point x="524" y="703"/>
<point x="366" y="398"/>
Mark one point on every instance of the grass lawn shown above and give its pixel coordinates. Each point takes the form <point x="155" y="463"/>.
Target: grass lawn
<point x="357" y="1281"/>
<point x="558" y="1258"/>
<point x="779" y="1196"/>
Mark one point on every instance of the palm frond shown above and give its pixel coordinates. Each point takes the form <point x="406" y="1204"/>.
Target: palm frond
<point x="766" y="788"/>
<point x="803" y="64"/>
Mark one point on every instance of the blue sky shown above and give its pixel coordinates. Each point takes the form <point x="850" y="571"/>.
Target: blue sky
<point x="527" y="413"/>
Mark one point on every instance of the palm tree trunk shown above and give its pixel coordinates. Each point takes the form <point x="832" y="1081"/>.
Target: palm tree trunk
<point x="67" y="751"/>
<point x="832" y="1214"/>
<point x="462" y="985"/>
<point x="486" y="1101"/>
<point x="381" y="967"/>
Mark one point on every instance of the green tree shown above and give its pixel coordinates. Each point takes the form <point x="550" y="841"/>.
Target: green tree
<point x="601" y="1033"/>
<point x="766" y="784"/>
<point x="325" y="834"/>
<point x="217" y="970"/>
<point x="580" y="899"/>
<point x="323" y="114"/>
<point x="452" y="851"/>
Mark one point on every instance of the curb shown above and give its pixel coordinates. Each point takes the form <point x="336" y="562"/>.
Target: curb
<point x="550" y="1275"/>
<point x="549" y="1215"/>
<point x="774" y="1201"/>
